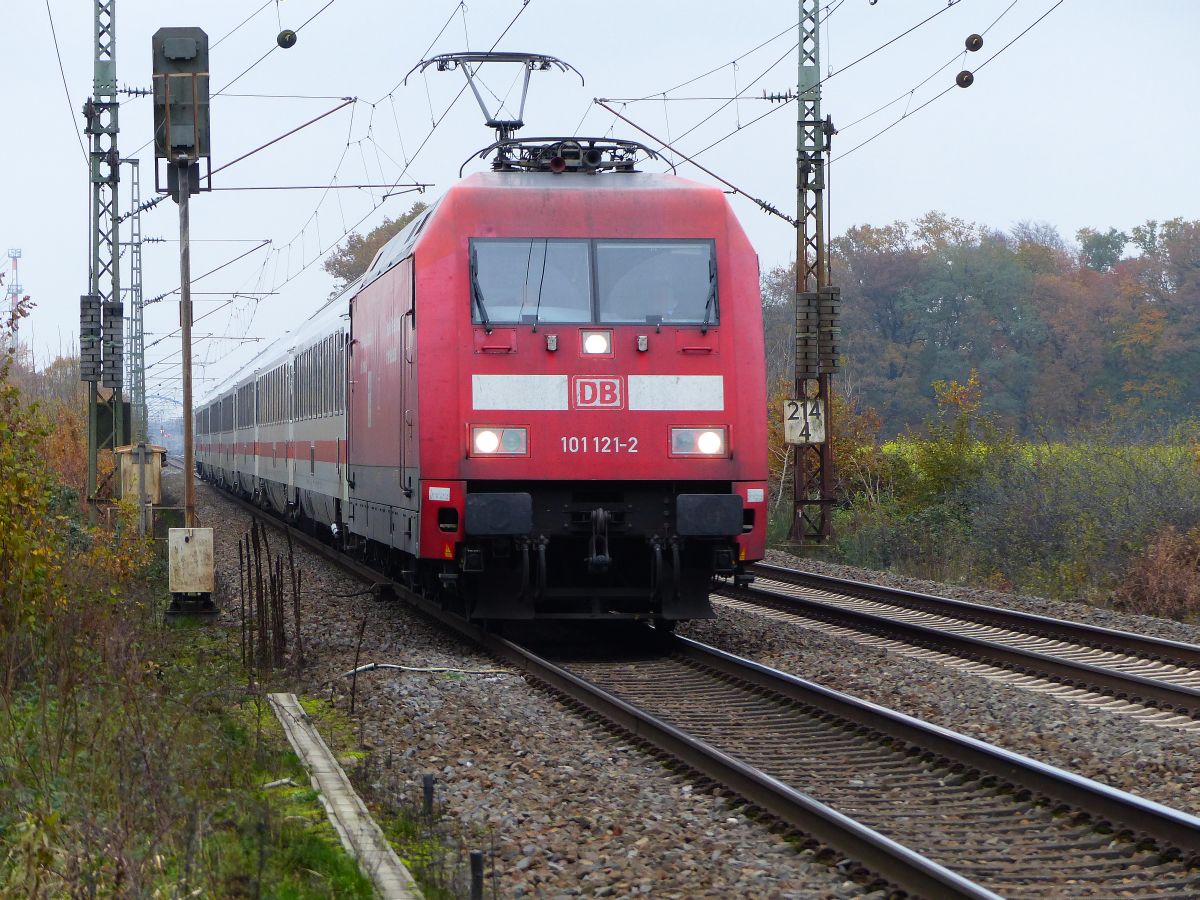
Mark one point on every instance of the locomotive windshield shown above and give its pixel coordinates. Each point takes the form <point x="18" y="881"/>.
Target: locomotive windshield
<point x="636" y="281"/>
<point x="532" y="281"/>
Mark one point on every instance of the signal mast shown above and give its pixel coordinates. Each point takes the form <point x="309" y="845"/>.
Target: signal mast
<point x="14" y="295"/>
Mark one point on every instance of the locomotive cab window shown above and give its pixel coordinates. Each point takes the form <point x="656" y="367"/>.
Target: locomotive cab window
<point x="649" y="281"/>
<point x="531" y="281"/>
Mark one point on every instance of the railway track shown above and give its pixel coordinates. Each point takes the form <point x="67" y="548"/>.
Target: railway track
<point x="1003" y="824"/>
<point x="934" y="813"/>
<point x="1153" y="679"/>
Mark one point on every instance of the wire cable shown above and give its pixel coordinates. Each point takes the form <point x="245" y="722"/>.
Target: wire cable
<point x="425" y="53"/>
<point x="240" y="24"/>
<point x="657" y="94"/>
<point x="1021" y="35"/>
<point x="290" y="276"/>
<point x="944" y="92"/>
<point x="66" y="91"/>
<point x="272" y="50"/>
<point x="949" y="5"/>
<point x="920" y="84"/>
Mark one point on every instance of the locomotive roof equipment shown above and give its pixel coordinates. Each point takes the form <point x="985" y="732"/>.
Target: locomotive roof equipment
<point x="505" y="128"/>
<point x="565" y="154"/>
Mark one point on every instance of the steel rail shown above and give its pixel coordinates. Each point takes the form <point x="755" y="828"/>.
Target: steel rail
<point x="1170" y="829"/>
<point x="877" y="852"/>
<point x="1123" y="686"/>
<point x="1091" y="635"/>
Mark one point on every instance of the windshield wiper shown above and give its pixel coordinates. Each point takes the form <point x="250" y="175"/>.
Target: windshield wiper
<point x="477" y="296"/>
<point x="711" y="303"/>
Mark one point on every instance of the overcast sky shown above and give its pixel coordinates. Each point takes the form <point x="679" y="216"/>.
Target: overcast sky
<point x="1087" y="120"/>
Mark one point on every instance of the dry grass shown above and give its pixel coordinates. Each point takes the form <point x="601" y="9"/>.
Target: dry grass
<point x="1165" y="579"/>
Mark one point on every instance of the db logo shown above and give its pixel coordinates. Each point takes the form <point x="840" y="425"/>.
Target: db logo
<point x="597" y="393"/>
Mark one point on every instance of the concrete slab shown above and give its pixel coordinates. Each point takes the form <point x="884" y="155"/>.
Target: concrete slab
<point x="360" y="834"/>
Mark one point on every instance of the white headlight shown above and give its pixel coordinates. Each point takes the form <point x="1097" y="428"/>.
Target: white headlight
<point x="499" y="440"/>
<point x="698" y="442"/>
<point x="597" y="342"/>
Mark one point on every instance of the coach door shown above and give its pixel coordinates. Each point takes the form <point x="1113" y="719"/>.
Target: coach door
<point x="374" y="457"/>
<point x="409" y="473"/>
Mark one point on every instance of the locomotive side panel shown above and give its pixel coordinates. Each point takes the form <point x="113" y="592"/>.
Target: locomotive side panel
<point x="380" y="468"/>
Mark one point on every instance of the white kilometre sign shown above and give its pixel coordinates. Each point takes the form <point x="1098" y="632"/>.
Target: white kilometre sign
<point x="803" y="421"/>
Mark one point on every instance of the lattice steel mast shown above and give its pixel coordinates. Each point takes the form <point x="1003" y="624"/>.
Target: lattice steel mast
<point x="135" y="355"/>
<point x="816" y="302"/>
<point x="13" y="292"/>
<point x="101" y="321"/>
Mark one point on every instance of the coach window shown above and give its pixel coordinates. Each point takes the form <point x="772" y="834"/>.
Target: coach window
<point x="327" y="375"/>
<point x="339" y="371"/>
<point x="308" y="383"/>
<point x="327" y="381"/>
<point x="309" y="387"/>
<point x="301" y="385"/>
<point x="646" y="281"/>
<point x="530" y="281"/>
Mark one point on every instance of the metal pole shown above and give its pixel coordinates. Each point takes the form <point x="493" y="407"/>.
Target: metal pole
<point x="141" y="452"/>
<point x="477" y="864"/>
<point x="135" y="354"/>
<point x="102" y="115"/>
<point x="185" y="324"/>
<point x="813" y="474"/>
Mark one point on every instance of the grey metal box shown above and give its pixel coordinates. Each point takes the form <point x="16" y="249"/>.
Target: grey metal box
<point x="190" y="554"/>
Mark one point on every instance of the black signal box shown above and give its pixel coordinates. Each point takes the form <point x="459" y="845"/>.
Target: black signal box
<point x="181" y="119"/>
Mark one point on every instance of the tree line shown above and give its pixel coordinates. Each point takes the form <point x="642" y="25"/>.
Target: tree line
<point x="1063" y="335"/>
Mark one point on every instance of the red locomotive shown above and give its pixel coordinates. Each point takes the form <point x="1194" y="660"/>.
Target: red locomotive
<point x="545" y="398"/>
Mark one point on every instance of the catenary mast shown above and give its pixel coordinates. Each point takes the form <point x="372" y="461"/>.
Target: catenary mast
<point x="101" y="321"/>
<point x="816" y="302"/>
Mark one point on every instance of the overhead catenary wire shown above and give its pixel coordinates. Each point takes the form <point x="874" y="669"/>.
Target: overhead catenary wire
<point x="238" y="26"/>
<point x="908" y="114"/>
<point x="275" y="47"/>
<point x="346" y="101"/>
<point x="436" y="37"/>
<point x="956" y="57"/>
<point x="433" y="128"/>
<point x="285" y="96"/>
<point x="736" y="59"/>
<point x="223" y="265"/>
<point x="950" y="4"/>
<point x="323" y="248"/>
<point x="318" y="187"/>
<point x="762" y="204"/>
<point x="66" y="91"/>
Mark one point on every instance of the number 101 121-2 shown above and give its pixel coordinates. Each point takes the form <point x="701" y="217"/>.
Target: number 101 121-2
<point x="602" y="444"/>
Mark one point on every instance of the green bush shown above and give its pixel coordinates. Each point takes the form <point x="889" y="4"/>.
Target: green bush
<point x="966" y="502"/>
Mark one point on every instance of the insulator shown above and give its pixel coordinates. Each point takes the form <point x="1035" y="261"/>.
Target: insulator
<point x="964" y="79"/>
<point x="974" y="42"/>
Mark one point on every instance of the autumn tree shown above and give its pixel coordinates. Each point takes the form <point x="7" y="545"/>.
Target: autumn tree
<point x="355" y="254"/>
<point x="1101" y="251"/>
<point x="1158" y="326"/>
